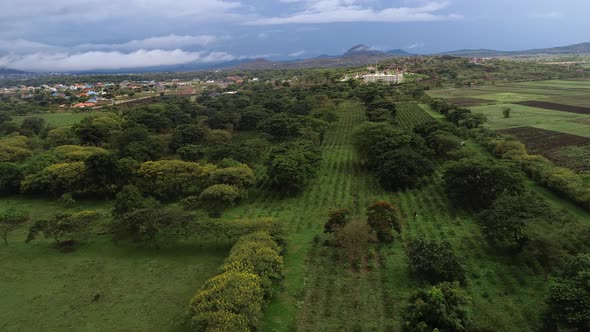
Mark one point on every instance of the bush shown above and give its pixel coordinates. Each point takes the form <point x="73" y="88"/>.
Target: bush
<point x="231" y="301"/>
<point x="259" y="254"/>
<point x="435" y="262"/>
<point x="190" y="203"/>
<point x="383" y="219"/>
<point x="336" y="220"/>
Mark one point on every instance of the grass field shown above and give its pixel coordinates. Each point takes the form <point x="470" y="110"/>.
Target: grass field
<point x="140" y="289"/>
<point x="59" y="119"/>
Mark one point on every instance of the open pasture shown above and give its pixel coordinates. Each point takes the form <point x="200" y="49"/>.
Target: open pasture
<point x="58" y="119"/>
<point x="100" y="286"/>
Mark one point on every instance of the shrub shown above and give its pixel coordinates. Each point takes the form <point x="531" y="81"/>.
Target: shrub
<point x="232" y="301"/>
<point x="259" y="254"/>
<point x="383" y="219"/>
<point x="336" y="220"/>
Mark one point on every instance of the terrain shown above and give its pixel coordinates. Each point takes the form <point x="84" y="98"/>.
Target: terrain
<point x="256" y="205"/>
<point x="551" y="117"/>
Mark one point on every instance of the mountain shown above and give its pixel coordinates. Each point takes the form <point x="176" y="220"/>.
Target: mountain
<point x="362" y="50"/>
<point x="14" y="73"/>
<point x="582" y="48"/>
<point x="398" y="52"/>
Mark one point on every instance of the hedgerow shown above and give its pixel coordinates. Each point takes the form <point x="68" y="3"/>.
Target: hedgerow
<point x="234" y="300"/>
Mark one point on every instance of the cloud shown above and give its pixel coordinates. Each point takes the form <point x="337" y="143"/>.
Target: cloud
<point x="97" y="10"/>
<point x="415" y="45"/>
<point x="296" y="54"/>
<point x="98" y="60"/>
<point x="336" y="11"/>
<point x="170" y="42"/>
<point x="23" y="45"/>
<point x="553" y="15"/>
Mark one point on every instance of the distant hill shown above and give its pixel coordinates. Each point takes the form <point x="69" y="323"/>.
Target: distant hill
<point x="582" y="48"/>
<point x="356" y="56"/>
<point x="399" y="52"/>
<point x="362" y="50"/>
<point x="9" y="71"/>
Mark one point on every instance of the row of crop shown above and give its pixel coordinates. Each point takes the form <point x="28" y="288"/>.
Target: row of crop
<point x="410" y="115"/>
<point x="234" y="300"/>
<point x="562" y="181"/>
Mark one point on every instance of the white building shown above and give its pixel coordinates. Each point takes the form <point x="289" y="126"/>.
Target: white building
<point x="382" y="77"/>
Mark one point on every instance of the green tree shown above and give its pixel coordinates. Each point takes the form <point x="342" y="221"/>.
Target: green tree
<point x="476" y="183"/>
<point x="435" y="262"/>
<point x="507" y="218"/>
<point x="239" y="175"/>
<point x="56" y="179"/>
<point x="147" y="225"/>
<point x="506" y="112"/>
<point x="291" y="165"/>
<point x="281" y="126"/>
<point x="32" y="125"/>
<point x="191" y="152"/>
<point x="187" y="134"/>
<point x="65" y="227"/>
<point x="102" y="171"/>
<point x="383" y="218"/>
<point x="170" y="179"/>
<point x="218" y="197"/>
<point x="569" y="295"/>
<point x="403" y="167"/>
<point x="10" y="178"/>
<point x="10" y="220"/>
<point x="444" y="307"/>
<point x="130" y="199"/>
<point x="61" y="136"/>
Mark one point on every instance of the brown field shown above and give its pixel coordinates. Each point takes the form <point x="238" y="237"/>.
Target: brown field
<point x="541" y="140"/>
<point x="469" y="101"/>
<point x="555" y="106"/>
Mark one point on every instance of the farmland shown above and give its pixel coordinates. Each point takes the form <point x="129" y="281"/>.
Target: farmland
<point x="506" y="296"/>
<point x="551" y="106"/>
<point x="410" y="114"/>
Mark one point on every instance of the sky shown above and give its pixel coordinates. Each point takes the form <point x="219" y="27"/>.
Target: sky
<point x="81" y="35"/>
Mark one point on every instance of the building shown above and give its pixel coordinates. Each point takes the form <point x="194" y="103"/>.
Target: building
<point x="382" y="77"/>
